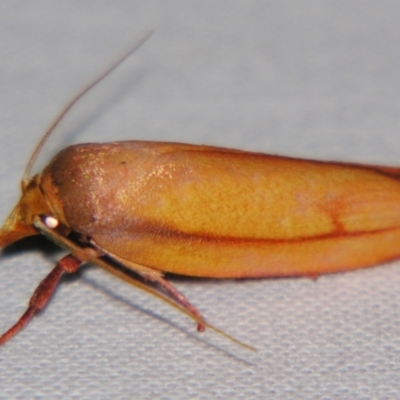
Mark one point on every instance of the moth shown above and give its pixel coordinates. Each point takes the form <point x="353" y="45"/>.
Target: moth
<point x="202" y="211"/>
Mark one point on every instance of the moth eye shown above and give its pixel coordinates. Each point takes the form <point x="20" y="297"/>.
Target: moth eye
<point x="51" y="222"/>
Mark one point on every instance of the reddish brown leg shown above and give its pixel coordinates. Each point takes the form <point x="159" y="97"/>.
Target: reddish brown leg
<point x="43" y="293"/>
<point x="182" y="300"/>
<point x="156" y="277"/>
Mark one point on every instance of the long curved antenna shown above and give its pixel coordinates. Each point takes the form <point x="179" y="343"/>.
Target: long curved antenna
<point x="75" y="99"/>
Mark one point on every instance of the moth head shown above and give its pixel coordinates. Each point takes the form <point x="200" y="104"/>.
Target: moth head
<point x="19" y="223"/>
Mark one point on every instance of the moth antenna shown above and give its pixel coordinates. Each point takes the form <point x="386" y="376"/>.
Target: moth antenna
<point x="74" y="100"/>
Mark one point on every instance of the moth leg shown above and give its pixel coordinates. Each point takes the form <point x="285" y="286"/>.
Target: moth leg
<point x="180" y="298"/>
<point x="94" y="255"/>
<point x="41" y="296"/>
<point x="156" y="277"/>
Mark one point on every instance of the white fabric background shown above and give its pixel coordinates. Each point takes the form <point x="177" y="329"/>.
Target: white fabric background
<point x="318" y="79"/>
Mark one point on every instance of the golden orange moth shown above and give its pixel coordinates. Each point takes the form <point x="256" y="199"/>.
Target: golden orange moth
<point x="203" y="211"/>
